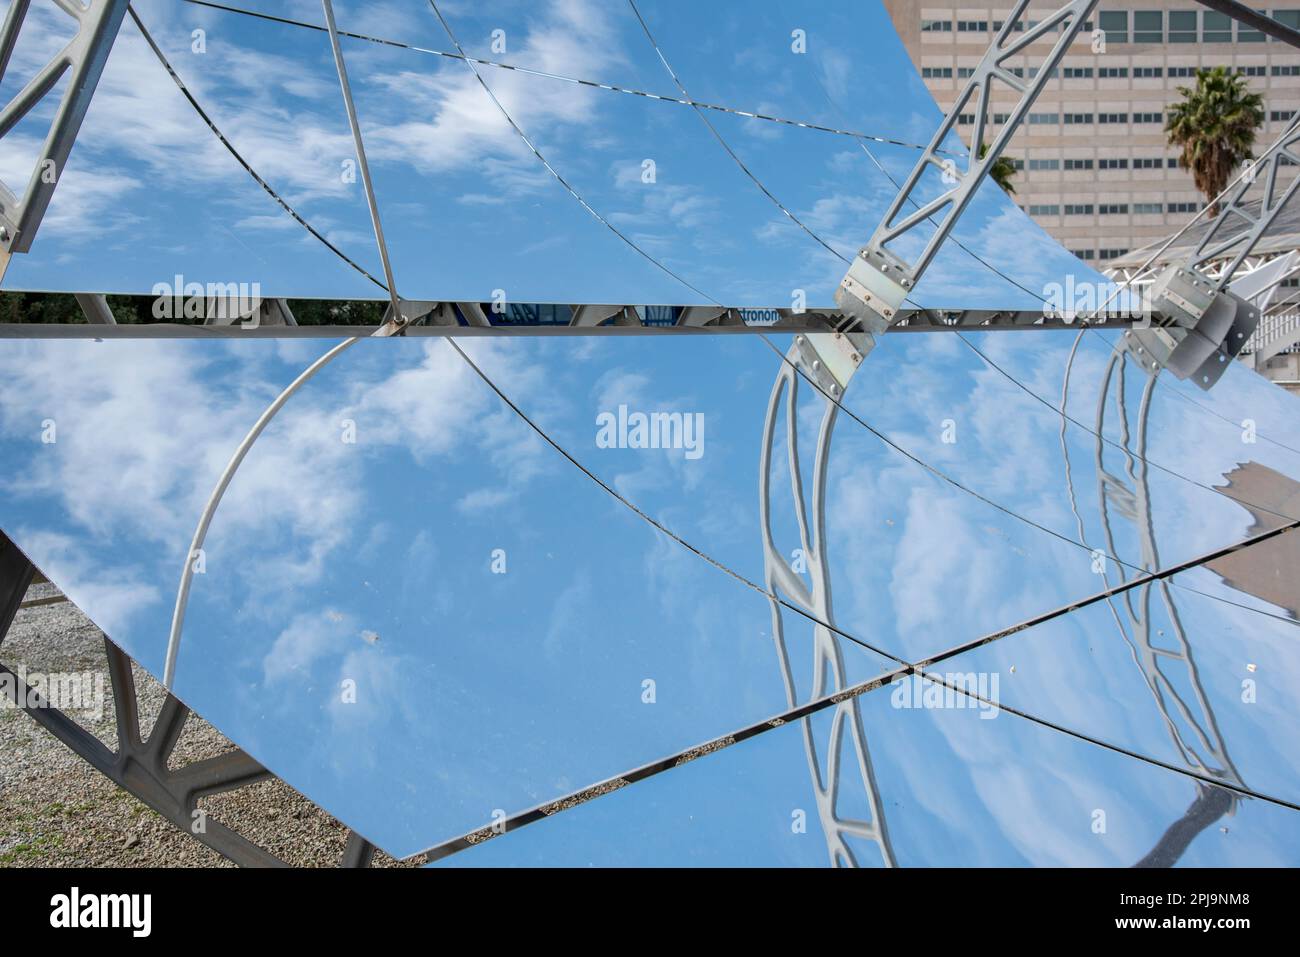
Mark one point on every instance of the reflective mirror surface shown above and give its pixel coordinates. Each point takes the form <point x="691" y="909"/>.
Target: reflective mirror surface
<point x="417" y="612"/>
<point x="469" y="209"/>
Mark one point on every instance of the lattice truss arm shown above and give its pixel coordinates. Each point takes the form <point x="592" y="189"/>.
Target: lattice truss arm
<point x="1238" y="229"/>
<point x="1199" y="322"/>
<point x="81" y="61"/>
<point x="880" y="279"/>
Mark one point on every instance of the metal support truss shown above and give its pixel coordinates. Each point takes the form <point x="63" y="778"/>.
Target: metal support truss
<point x="1199" y="324"/>
<point x="829" y="360"/>
<point x="879" y="280"/>
<point x="140" y="765"/>
<point x="83" y="61"/>
<point x="1222" y="240"/>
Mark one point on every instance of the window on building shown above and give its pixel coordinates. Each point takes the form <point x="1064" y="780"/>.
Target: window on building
<point x="1112" y="209"/>
<point x="1078" y="209"/>
<point x="1111" y="253"/>
<point x="1044" y="164"/>
<point x="1075" y="164"/>
<point x="1216" y="27"/>
<point x="1248" y="34"/>
<point x="1181" y="72"/>
<point x="1112" y="164"/>
<point x="1078" y="118"/>
<point x="1281" y="116"/>
<point x="1148" y="163"/>
<point x="1171" y="163"/>
<point x="1182" y="26"/>
<point x="1112" y="72"/>
<point x="1000" y="119"/>
<point x="1078" y="73"/>
<point x="972" y="26"/>
<point x="1042" y="119"/>
<point x="1044" y="209"/>
<point x="936" y="26"/>
<point x="936" y="73"/>
<point x="965" y="119"/>
<point x="1115" y="25"/>
<point x="1252" y="70"/>
<point x="1288" y="18"/>
<point x="1148" y="117"/>
<point x="1084" y="253"/>
<point x="1149" y="26"/>
<point x="1112" y="117"/>
<point x="1148" y="72"/>
<point x="1286" y="69"/>
<point x="1148" y="207"/>
<point x="965" y="72"/>
<point x="1182" y="207"/>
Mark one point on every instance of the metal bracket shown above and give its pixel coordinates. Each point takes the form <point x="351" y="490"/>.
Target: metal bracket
<point x="84" y="56"/>
<point x="1199" y="328"/>
<point x="829" y="359"/>
<point x="878" y="281"/>
<point x="1201" y="325"/>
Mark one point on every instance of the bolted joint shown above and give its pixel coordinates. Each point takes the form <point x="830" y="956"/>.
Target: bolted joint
<point x="873" y="289"/>
<point x="1196" y="330"/>
<point x="829" y="359"/>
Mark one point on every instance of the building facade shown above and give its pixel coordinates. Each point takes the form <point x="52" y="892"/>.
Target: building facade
<point x="1093" y="166"/>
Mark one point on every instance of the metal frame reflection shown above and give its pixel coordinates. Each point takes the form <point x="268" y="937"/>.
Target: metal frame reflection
<point x="1192" y="726"/>
<point x="828" y="656"/>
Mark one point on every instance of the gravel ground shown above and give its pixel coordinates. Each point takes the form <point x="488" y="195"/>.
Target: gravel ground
<point x="57" y="811"/>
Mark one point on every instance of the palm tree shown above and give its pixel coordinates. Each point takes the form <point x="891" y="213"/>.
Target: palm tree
<point x="1214" y="125"/>
<point x="1001" y="171"/>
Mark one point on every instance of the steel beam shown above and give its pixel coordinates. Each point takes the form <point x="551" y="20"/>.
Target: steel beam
<point x="276" y="319"/>
<point x="81" y="61"/>
<point x="15" y="578"/>
<point x="95" y="308"/>
<point x="1260" y="21"/>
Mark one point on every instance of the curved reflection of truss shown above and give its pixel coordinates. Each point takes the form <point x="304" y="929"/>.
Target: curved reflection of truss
<point x="825" y="767"/>
<point x="1191" y="723"/>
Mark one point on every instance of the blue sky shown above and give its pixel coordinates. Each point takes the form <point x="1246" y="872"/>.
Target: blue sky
<point x="150" y="193"/>
<point x="371" y="562"/>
